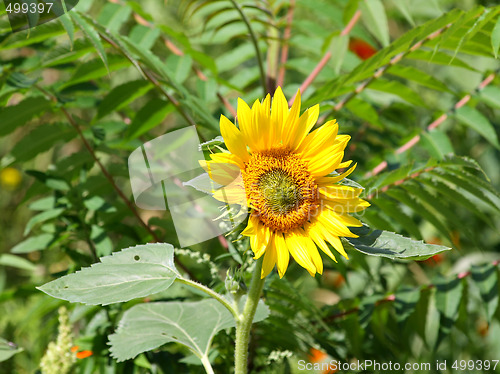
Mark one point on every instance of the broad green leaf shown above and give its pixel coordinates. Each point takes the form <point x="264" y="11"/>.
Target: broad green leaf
<point x="405" y="302"/>
<point x="495" y="37"/>
<point x="448" y="297"/>
<point x="486" y="278"/>
<point x="41" y="139"/>
<point x="393" y="246"/>
<point x="437" y="143"/>
<point x="193" y="324"/>
<point x="16" y="262"/>
<point x="131" y="273"/>
<point x="15" y="116"/>
<point x="375" y="20"/>
<point x="148" y="117"/>
<point x="475" y="120"/>
<point x="91" y="34"/>
<point x="33" y="243"/>
<point x="122" y="95"/>
<point x="7" y="349"/>
<point x="94" y="69"/>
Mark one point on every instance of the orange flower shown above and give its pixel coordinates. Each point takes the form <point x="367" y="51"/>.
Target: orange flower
<point x="81" y="354"/>
<point x="361" y="48"/>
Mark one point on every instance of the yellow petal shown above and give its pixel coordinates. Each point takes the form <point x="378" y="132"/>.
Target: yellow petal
<point x="283" y="256"/>
<point x="291" y="123"/>
<point x="233" y="139"/>
<point x="304" y="126"/>
<point x="269" y="260"/>
<point x="339" y="192"/>
<point x="251" y="229"/>
<point x="247" y="126"/>
<point x="324" y="162"/>
<point x="334" y="240"/>
<point x="260" y="242"/>
<point x="331" y="222"/>
<point x="279" y="115"/>
<point x="298" y="247"/>
<point x="328" y="181"/>
<point x="346" y="205"/>
<point x="312" y="230"/>
<point x="317" y="139"/>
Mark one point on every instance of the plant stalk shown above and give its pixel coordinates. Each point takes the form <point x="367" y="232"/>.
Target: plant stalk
<point x="244" y="324"/>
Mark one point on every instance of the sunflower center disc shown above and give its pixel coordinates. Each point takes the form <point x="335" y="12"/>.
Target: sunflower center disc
<point x="280" y="189"/>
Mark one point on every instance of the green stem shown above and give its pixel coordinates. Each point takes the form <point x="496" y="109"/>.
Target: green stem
<point x="207" y="365"/>
<point x="244" y="324"/>
<point x="255" y="44"/>
<point x="211" y="293"/>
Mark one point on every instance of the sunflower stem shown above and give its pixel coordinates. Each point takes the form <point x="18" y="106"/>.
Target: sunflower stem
<point x="244" y="325"/>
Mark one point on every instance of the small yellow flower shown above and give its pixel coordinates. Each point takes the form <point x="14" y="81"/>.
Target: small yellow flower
<point x="280" y="169"/>
<point x="10" y="178"/>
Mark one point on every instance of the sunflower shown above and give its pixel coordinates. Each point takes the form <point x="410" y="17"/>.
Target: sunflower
<point x="286" y="175"/>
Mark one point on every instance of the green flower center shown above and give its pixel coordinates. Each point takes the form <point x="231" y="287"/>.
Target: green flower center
<point x="280" y="191"/>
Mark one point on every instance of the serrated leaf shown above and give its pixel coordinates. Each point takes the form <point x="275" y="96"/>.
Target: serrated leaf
<point x="192" y="324"/>
<point x="416" y="75"/>
<point x="122" y="95"/>
<point x="475" y="120"/>
<point x="91" y="34"/>
<point x="8" y="349"/>
<point x="486" y="278"/>
<point x="15" y="116"/>
<point x="393" y="246"/>
<point x="68" y="26"/>
<point x="131" y="273"/>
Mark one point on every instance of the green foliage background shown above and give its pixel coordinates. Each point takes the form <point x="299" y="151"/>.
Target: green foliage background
<point x="79" y="94"/>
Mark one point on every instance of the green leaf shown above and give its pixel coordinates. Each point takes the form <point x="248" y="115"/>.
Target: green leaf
<point x="397" y="88"/>
<point x="113" y="16"/>
<point x="91" y="34"/>
<point x="398" y="215"/>
<point x="122" y="95"/>
<point x="94" y="69"/>
<point x="16" y="262"/>
<point x="495" y="38"/>
<point x="433" y="321"/>
<point x="365" y="111"/>
<point x="148" y="117"/>
<point x="144" y="36"/>
<point x="448" y="297"/>
<point x="193" y="324"/>
<point x="405" y="302"/>
<point x="393" y="246"/>
<point x="34" y="243"/>
<point x="486" y="278"/>
<point x="40" y="140"/>
<point x="7" y="349"/>
<point x="440" y="58"/>
<point x="131" y="273"/>
<point x="42" y="217"/>
<point x="15" y="116"/>
<point x="416" y="75"/>
<point x="339" y="46"/>
<point x="475" y="120"/>
<point x="437" y="143"/>
<point x="375" y="20"/>
<point x="404" y="7"/>
<point x="491" y="96"/>
<point x="68" y="26"/>
<point x="179" y="67"/>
